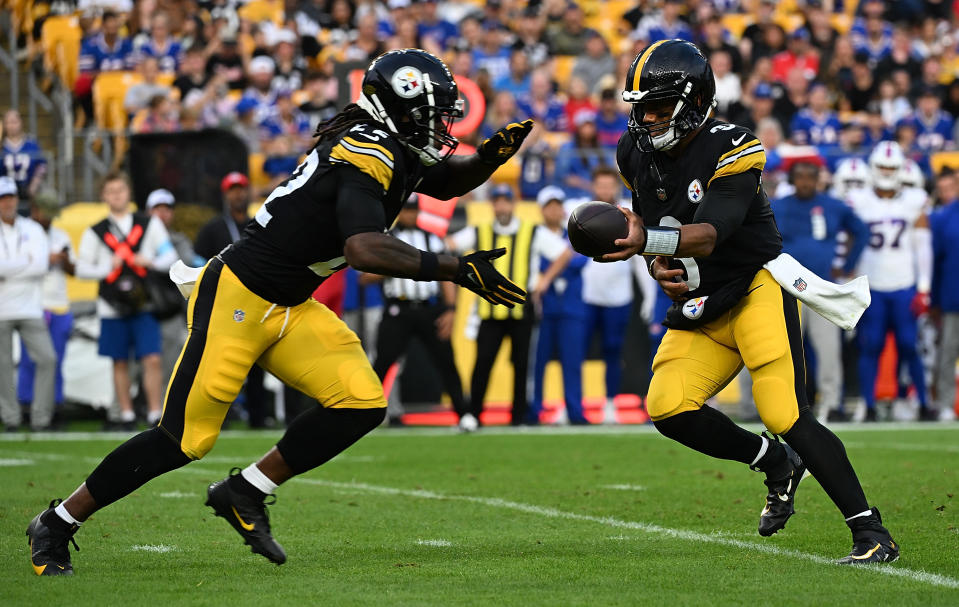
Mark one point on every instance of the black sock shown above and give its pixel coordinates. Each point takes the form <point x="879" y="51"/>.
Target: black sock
<point x="708" y="431"/>
<point x="825" y="456"/>
<point x="237" y="483"/>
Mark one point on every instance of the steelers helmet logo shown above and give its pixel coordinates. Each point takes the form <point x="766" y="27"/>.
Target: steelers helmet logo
<point x="407" y="82"/>
<point x="695" y="191"/>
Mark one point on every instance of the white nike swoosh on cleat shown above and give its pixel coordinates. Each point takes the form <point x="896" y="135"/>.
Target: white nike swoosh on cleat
<point x="782" y="498"/>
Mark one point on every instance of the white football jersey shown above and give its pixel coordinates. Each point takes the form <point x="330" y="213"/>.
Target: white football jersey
<point x="889" y="259"/>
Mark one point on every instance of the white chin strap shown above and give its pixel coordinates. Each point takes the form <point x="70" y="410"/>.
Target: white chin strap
<point x="374" y="107"/>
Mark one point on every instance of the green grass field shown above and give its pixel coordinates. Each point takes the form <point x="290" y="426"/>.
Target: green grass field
<point x="599" y="516"/>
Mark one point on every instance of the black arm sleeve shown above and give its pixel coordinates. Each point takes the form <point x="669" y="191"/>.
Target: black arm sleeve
<point x="455" y="176"/>
<point x="726" y="203"/>
<point x="359" y="203"/>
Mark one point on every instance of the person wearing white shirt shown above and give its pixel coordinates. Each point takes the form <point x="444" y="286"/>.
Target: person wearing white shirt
<point x="119" y="252"/>
<point x="24" y="259"/>
<point x="56" y="305"/>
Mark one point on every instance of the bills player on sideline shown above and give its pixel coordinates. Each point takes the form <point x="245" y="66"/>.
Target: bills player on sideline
<point x="898" y="262"/>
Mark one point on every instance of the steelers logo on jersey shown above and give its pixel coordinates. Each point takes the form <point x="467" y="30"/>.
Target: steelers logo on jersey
<point x="693" y="308"/>
<point x="695" y="191"/>
<point x="407" y="82"/>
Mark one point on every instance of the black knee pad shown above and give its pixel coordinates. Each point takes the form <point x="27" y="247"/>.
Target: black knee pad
<point x="318" y="434"/>
<point x="142" y="458"/>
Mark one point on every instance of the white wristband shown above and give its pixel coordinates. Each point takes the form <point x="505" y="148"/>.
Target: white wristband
<point x="661" y="241"/>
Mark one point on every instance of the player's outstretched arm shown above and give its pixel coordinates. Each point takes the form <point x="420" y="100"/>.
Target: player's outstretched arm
<point x="461" y="174"/>
<point x="383" y="254"/>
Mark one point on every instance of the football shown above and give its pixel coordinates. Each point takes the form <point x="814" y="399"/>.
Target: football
<point x="594" y="226"/>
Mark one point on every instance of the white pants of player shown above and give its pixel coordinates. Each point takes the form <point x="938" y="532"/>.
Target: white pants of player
<point x="826" y="341"/>
<point x="946" y="364"/>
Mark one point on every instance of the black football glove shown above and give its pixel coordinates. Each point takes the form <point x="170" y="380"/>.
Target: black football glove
<point x="476" y="273"/>
<point x="504" y="142"/>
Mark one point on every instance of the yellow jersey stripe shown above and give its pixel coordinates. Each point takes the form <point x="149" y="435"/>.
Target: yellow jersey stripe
<point x="642" y="62"/>
<point x="371" y="146"/>
<point x="371" y="164"/>
<point x="752" y="160"/>
<point x="736" y="150"/>
<point x="626" y="183"/>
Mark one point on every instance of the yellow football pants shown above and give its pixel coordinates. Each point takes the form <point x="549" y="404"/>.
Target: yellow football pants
<point x="762" y="331"/>
<point x="306" y="346"/>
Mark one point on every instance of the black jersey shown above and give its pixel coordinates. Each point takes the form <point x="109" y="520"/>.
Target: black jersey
<point x="356" y="182"/>
<point x="671" y="191"/>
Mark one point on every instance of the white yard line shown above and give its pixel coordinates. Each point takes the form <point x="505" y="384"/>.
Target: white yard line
<point x="435" y="543"/>
<point x="159" y="548"/>
<point x="623" y="487"/>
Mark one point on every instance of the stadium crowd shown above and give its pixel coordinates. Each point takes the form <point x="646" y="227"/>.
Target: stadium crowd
<point x="822" y="84"/>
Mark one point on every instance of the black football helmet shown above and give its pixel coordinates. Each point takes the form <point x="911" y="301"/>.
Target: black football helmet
<point x="665" y="70"/>
<point x="415" y="96"/>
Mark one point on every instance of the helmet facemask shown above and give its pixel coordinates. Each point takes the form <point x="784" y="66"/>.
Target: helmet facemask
<point x="663" y="135"/>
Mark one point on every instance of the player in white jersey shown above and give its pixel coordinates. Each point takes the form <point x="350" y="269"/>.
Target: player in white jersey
<point x="851" y="174"/>
<point x="898" y="262"/>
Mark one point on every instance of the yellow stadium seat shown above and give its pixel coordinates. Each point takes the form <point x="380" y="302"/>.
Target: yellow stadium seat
<point x="842" y="22"/>
<point x="562" y="69"/>
<point x="508" y="173"/>
<point x="60" y="39"/>
<point x="790" y="22"/>
<point x="258" y="178"/>
<point x="737" y="23"/>
<point x="940" y="160"/>
<point x="109" y="90"/>
<point x="556" y="139"/>
<point x="262" y="10"/>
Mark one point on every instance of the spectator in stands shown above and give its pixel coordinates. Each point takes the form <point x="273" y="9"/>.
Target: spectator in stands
<point x="160" y="205"/>
<point x="537" y="167"/>
<point x="21" y="158"/>
<point x="838" y="69"/>
<point x="261" y="89"/>
<point x="217" y="234"/>
<point x="470" y="34"/>
<point x="795" y="96"/>
<point x="158" y="44"/>
<point x="577" y="98"/>
<point x="319" y="105"/>
<point x="729" y="88"/>
<point x="367" y="45"/>
<point x="714" y="39"/>
<point x="611" y="121"/>
<point x="408" y="36"/>
<point x="944" y="223"/>
<point x="901" y="56"/>
<point x="56" y="305"/>
<point x="876" y="129"/>
<point x="871" y="34"/>
<point x="892" y="105"/>
<point x="192" y="75"/>
<point x="557" y="291"/>
<point x="118" y="252"/>
<point x="287" y="121"/>
<point x="595" y="63"/>
<point x="431" y="26"/>
<point x="246" y="127"/>
<point x="541" y="103"/>
<point x="770" y="134"/>
<point x="810" y="222"/>
<point x="815" y="124"/>
<point x="24" y="262"/>
<point x="933" y="126"/>
<point x="531" y="37"/>
<point x="569" y="38"/>
<point x="822" y="34"/>
<point x="225" y="59"/>
<point x="665" y="25"/>
<point x="800" y="54"/>
<point x="290" y="67"/>
<point x="773" y="42"/>
<point x="517" y="80"/>
<point x="608" y="293"/>
<point x="139" y="95"/>
<point x="577" y="160"/>
<point x="492" y="55"/>
<point x="495" y="324"/>
<point x="753" y="39"/>
<point x="761" y="107"/>
<point x="160" y="116"/>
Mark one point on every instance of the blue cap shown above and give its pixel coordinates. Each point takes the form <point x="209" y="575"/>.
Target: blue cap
<point x="501" y="191"/>
<point x="245" y="105"/>
<point x="763" y="91"/>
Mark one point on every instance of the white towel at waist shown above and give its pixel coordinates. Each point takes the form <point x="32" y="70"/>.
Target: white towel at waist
<point x="184" y="277"/>
<point x="842" y="305"/>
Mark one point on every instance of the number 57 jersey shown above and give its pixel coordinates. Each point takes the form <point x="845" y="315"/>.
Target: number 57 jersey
<point x="670" y="191"/>
<point x="889" y="260"/>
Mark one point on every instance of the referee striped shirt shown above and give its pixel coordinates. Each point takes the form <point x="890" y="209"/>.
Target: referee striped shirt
<point x="407" y="288"/>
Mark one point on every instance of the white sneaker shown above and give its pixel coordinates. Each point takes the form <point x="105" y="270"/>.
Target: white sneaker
<point x="609" y="412"/>
<point x="468" y="423"/>
<point x="562" y="418"/>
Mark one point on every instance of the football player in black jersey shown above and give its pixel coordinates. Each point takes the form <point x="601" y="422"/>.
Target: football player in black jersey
<point x="251" y="303"/>
<point x="702" y="220"/>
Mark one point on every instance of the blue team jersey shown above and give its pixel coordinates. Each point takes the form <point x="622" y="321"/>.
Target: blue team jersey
<point x="274" y="126"/>
<point x="97" y="56"/>
<point x="442" y="31"/>
<point x="808" y="129"/>
<point x="809" y="229"/>
<point x="553" y="119"/>
<point x="564" y="298"/>
<point x="21" y="162"/>
<point x="168" y="59"/>
<point x="609" y="131"/>
<point x="661" y="31"/>
<point x="931" y="135"/>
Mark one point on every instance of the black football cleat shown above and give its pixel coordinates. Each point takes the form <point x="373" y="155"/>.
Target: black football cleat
<point x="781" y="497"/>
<point x="248" y="516"/>
<point x="49" y="545"/>
<point x="871" y="544"/>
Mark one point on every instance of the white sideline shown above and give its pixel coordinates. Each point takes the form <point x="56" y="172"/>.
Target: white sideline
<point x="933" y="579"/>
